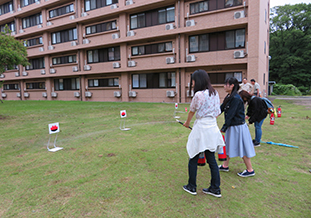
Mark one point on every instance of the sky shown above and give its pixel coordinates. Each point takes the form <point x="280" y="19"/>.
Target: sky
<point x="274" y="3"/>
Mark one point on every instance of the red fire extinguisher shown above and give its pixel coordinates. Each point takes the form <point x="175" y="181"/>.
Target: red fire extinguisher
<point x="279" y="111"/>
<point x="201" y="161"/>
<point x="272" y="119"/>
<point x="222" y="155"/>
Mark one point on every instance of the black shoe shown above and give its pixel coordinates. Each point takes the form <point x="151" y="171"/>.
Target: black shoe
<point x="192" y="191"/>
<point x="209" y="191"/>
<point x="256" y="144"/>
<point x="224" y="169"/>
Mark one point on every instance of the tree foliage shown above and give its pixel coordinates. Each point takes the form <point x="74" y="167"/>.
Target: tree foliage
<point x="290" y="44"/>
<point x="12" y="52"/>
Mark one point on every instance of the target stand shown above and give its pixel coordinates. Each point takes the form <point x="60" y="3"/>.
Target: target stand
<point x="123" y="118"/>
<point x="53" y="129"/>
<point x="176" y="111"/>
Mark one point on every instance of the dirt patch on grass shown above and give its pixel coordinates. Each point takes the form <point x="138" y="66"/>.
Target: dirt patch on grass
<point x="304" y="101"/>
<point x="2" y="117"/>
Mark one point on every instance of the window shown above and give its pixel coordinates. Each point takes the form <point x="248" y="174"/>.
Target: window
<point x="32" y="20"/>
<point x="231" y="3"/>
<point x="154" y="80"/>
<point x="103" y="55"/>
<point x="10" y="86"/>
<point x="64" y="60"/>
<point x="199" y="43"/>
<point x="64" y="36"/>
<point x="111" y="82"/>
<point x="264" y="47"/>
<point x="38" y="85"/>
<point x="152" y="49"/>
<point x="219" y="78"/>
<point x="32" y="42"/>
<point x="11" y="26"/>
<point x="217" y="41"/>
<point x="6" y="8"/>
<point x="67" y="84"/>
<point x="36" y="63"/>
<point x="198" y="7"/>
<point x="102" y="27"/>
<point x="152" y="18"/>
<point x="61" y="11"/>
<point x="28" y="2"/>
<point x="94" y="4"/>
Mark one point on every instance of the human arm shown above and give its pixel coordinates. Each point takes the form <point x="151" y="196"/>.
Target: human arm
<point x="231" y="110"/>
<point x="190" y="115"/>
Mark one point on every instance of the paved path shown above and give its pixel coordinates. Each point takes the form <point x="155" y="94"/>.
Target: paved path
<point x="300" y="100"/>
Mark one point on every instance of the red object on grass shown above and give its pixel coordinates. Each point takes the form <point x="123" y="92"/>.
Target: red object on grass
<point x="272" y="119"/>
<point x="279" y="111"/>
<point x="54" y="128"/>
<point x="222" y="155"/>
<point x="123" y="113"/>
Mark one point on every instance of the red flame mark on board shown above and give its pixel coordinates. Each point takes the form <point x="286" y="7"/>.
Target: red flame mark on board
<point x="54" y="128"/>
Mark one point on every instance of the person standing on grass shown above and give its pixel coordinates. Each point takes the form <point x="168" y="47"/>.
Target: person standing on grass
<point x="256" y="88"/>
<point x="238" y="138"/>
<point x="246" y="86"/>
<point x="256" y="113"/>
<point x="205" y="135"/>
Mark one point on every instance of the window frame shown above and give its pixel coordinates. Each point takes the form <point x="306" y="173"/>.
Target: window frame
<point x="102" y="55"/>
<point x="149" y="79"/>
<point x="103" y="83"/>
<point x="37" y="62"/>
<point x="101" y="27"/>
<point x="56" y="12"/>
<point x="143" y="49"/>
<point x="6" y="8"/>
<point x="64" y="60"/>
<point x="65" y="82"/>
<point x="35" y="85"/>
<point x="9" y="86"/>
<point x="33" y="20"/>
<point x="64" y="36"/>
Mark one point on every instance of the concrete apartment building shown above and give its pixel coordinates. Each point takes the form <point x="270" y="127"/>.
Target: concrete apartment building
<point x="133" y="51"/>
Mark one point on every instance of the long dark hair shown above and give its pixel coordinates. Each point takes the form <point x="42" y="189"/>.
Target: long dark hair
<point x="235" y="82"/>
<point x="245" y="95"/>
<point x="201" y="82"/>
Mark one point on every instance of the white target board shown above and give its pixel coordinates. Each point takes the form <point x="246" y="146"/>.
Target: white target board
<point x="53" y="128"/>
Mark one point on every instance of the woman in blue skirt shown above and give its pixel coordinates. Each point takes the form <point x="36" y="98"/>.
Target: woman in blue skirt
<point x="238" y="138"/>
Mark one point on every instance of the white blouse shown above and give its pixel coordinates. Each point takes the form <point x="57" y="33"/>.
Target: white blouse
<point x="205" y="105"/>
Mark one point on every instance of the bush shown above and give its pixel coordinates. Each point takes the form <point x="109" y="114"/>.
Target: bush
<point x="289" y="89"/>
<point x="304" y="90"/>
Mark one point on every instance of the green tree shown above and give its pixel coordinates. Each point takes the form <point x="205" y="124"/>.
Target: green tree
<point x="12" y="51"/>
<point x="290" y="44"/>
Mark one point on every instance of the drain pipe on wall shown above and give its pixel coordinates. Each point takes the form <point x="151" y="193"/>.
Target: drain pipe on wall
<point x="179" y="70"/>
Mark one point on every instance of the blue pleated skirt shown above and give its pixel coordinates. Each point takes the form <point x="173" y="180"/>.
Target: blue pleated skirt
<point x="239" y="142"/>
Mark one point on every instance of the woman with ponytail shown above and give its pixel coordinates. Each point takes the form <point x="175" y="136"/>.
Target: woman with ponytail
<point x="238" y="138"/>
<point x="205" y="135"/>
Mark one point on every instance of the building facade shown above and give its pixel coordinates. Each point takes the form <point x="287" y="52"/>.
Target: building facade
<point x="133" y="51"/>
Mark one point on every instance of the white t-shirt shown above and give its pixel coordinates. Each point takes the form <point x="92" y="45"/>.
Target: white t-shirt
<point x="205" y="105"/>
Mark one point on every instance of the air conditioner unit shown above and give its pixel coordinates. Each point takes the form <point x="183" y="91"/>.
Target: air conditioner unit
<point x="169" y="26"/>
<point x="170" y="60"/>
<point x="44" y="95"/>
<point x="24" y="73"/>
<point x="190" y="58"/>
<point x="50" y="47"/>
<point x="41" y="49"/>
<point x="3" y="95"/>
<point x="39" y="26"/>
<point x="239" y="14"/>
<point x="85" y="41"/>
<point x="49" y="23"/>
<point x="132" y="94"/>
<point x="17" y="74"/>
<point x="74" y="69"/>
<point x="37" y="2"/>
<point x="131" y="64"/>
<point x="21" y="31"/>
<point x="129" y="2"/>
<point x="170" y="94"/>
<point x="192" y="93"/>
<point x="116" y="65"/>
<point x="130" y="33"/>
<point x="238" y="54"/>
<point x="18" y="94"/>
<point x="13" y="33"/>
<point x="72" y="17"/>
<point x="76" y="94"/>
<point x="87" y="67"/>
<point x="115" y="36"/>
<point x="53" y="94"/>
<point x="52" y="71"/>
<point x="84" y="14"/>
<point x="26" y="95"/>
<point x="117" y="94"/>
<point x="2" y="76"/>
<point x="73" y="43"/>
<point x="114" y="6"/>
<point x="42" y="72"/>
<point x="190" y="23"/>
<point x="88" y="94"/>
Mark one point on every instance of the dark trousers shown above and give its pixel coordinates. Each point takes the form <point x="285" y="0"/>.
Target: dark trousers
<point x="193" y="167"/>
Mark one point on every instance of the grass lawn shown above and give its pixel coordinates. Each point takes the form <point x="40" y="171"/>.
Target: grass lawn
<point x="105" y="172"/>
